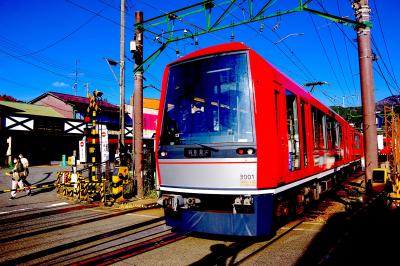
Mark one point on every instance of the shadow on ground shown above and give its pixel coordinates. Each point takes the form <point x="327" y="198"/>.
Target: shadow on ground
<point x="362" y="236"/>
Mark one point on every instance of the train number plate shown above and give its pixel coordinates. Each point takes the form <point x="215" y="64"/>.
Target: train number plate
<point x="197" y="153"/>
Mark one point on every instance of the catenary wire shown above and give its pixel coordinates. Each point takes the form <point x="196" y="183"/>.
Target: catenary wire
<point x="386" y="48"/>
<point x="325" y="51"/>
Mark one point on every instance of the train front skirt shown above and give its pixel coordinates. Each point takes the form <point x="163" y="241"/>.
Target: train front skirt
<point x="258" y="223"/>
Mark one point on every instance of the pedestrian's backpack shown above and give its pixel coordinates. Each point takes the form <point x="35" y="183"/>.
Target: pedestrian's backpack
<point x="25" y="162"/>
<point x="20" y="167"/>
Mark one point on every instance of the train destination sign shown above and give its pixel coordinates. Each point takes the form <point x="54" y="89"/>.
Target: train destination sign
<point x="197" y="153"/>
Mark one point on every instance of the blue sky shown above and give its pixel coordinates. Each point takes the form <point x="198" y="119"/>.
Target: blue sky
<point x="48" y="45"/>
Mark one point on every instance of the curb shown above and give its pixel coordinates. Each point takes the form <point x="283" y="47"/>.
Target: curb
<point x="137" y="204"/>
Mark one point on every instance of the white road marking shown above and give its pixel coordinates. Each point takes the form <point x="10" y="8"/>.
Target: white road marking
<point x="57" y="204"/>
<point x="25" y="209"/>
<point x="18" y="210"/>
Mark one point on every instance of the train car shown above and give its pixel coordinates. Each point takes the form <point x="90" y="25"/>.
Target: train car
<point x="241" y="146"/>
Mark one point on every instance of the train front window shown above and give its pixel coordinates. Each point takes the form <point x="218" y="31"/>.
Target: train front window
<point x="208" y="101"/>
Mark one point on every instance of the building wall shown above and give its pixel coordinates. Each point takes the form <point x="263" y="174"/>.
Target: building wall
<point x="149" y="120"/>
<point x="61" y="107"/>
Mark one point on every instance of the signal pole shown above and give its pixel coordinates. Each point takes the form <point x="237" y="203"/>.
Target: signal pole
<point x="138" y="105"/>
<point x="367" y="88"/>
<point x="122" y="75"/>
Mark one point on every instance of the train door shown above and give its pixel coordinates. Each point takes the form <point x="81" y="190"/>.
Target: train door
<point x="280" y="129"/>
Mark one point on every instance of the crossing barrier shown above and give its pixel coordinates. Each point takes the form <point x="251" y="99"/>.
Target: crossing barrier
<point x="70" y="184"/>
<point x="75" y="185"/>
<point x="118" y="178"/>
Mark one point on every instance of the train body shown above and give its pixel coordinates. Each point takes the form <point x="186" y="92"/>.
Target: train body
<point x="240" y="145"/>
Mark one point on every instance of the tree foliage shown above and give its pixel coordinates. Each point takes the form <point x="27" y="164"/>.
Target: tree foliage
<point x="7" y="98"/>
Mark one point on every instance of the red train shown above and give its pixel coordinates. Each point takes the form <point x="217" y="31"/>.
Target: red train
<point x="240" y="145"/>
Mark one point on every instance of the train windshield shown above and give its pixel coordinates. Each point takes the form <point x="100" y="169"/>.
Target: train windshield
<point x="208" y="101"/>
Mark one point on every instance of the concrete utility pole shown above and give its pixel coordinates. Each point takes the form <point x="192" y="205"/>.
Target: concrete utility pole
<point x="122" y="75"/>
<point x="138" y="105"/>
<point x="367" y="88"/>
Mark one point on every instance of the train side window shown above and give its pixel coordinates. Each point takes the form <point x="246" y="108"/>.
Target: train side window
<point x="330" y="133"/>
<point x="319" y="129"/>
<point x="356" y="141"/>
<point x="320" y="135"/>
<point x="293" y="131"/>
<point x="338" y="143"/>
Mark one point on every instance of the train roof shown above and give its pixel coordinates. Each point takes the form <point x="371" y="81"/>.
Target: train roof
<point x="216" y="49"/>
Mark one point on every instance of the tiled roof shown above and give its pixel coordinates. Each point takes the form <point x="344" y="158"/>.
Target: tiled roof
<point x="79" y="100"/>
<point x="68" y="98"/>
<point x="29" y="109"/>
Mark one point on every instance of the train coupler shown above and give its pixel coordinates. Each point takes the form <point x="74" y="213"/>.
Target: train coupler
<point x="171" y="202"/>
<point x="174" y="202"/>
<point x="243" y="204"/>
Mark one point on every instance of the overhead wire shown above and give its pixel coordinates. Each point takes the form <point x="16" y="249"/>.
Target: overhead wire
<point x="325" y="51"/>
<point x="180" y="19"/>
<point x="37" y="66"/>
<point x="109" y="20"/>
<point x="99" y="15"/>
<point x="389" y="73"/>
<point x="385" y="44"/>
<point x="65" y="36"/>
<point x="282" y="51"/>
<point x="378" y="71"/>
<point x="386" y="81"/>
<point x="19" y="84"/>
<point x="303" y="68"/>
<point x="16" y="50"/>
<point x="337" y="54"/>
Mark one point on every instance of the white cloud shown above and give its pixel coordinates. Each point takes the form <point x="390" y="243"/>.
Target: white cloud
<point x="60" y="84"/>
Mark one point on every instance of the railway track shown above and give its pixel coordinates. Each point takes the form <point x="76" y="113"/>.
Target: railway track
<point x="33" y="239"/>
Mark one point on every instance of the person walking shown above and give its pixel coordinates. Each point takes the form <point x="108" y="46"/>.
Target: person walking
<point x="17" y="175"/>
<point x="25" y="164"/>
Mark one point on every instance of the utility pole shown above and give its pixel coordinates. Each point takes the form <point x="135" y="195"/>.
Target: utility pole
<point x="76" y="78"/>
<point x="367" y="87"/>
<point x="122" y="75"/>
<point x="87" y="88"/>
<point x="138" y="104"/>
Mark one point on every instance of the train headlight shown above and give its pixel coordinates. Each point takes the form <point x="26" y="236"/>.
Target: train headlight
<point x="163" y="153"/>
<point x="250" y="151"/>
<point x="244" y="151"/>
